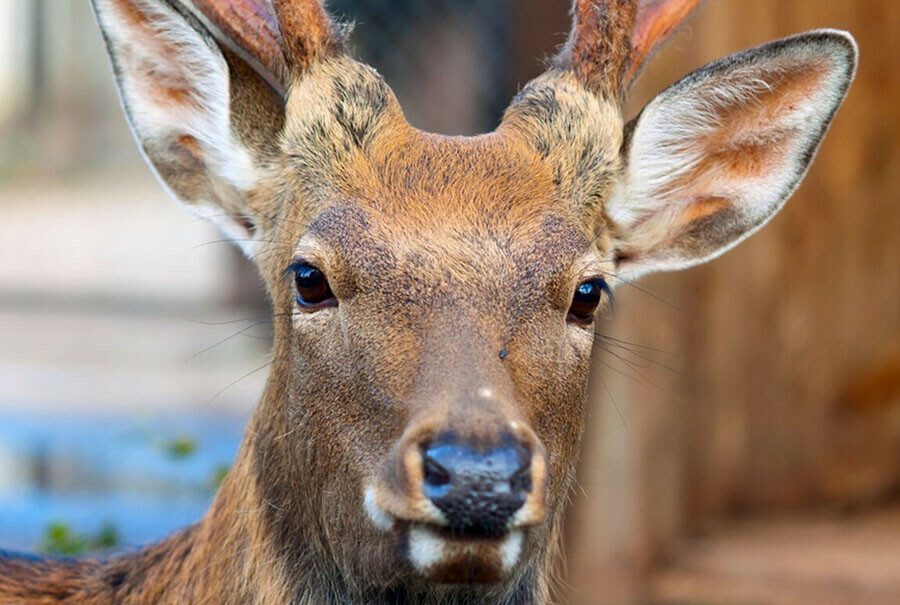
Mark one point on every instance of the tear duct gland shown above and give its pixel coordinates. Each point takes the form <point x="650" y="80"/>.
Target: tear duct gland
<point x="418" y="434"/>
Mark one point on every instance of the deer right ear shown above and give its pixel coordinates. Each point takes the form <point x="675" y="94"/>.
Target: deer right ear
<point x="717" y="154"/>
<point x="175" y="86"/>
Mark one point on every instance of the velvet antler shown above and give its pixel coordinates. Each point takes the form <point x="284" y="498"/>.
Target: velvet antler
<point x="307" y="30"/>
<point x="611" y="39"/>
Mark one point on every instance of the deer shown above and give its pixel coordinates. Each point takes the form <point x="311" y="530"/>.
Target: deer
<point x="434" y="297"/>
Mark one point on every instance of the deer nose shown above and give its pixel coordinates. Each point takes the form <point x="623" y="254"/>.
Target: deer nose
<point x="478" y="490"/>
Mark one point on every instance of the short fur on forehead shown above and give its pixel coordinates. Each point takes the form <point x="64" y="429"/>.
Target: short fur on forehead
<point x="345" y="130"/>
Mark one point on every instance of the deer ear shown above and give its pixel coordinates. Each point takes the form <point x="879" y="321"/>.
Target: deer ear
<point x="174" y="84"/>
<point x="716" y="155"/>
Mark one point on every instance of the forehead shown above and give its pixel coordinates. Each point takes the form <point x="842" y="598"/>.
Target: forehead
<point x="461" y="204"/>
<point x="437" y="183"/>
<point x="362" y="237"/>
<point x="368" y="182"/>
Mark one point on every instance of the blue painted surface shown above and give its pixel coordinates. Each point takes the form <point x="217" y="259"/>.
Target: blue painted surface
<point x="87" y="470"/>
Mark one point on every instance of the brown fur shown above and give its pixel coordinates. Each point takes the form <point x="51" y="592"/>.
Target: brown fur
<point x="599" y="47"/>
<point x="489" y="257"/>
<point x="612" y="39"/>
<point x="454" y="261"/>
<point x="307" y="32"/>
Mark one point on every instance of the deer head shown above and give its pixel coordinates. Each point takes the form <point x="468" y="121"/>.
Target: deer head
<point x="434" y="297"/>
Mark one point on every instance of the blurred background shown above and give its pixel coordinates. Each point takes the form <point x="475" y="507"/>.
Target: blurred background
<point x="744" y="441"/>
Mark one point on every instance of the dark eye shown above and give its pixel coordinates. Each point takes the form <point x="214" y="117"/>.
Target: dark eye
<point x="587" y="298"/>
<point x="312" y="286"/>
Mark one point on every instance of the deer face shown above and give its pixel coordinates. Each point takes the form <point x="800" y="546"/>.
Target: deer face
<point x="435" y="296"/>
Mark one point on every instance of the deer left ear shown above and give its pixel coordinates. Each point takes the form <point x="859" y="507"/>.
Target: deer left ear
<point x="186" y="106"/>
<point x="717" y="154"/>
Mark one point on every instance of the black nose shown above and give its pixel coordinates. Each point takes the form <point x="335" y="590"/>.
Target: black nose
<point x="477" y="489"/>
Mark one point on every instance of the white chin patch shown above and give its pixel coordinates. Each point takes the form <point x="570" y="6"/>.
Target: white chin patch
<point x="378" y="517"/>
<point x="428" y="550"/>
<point x="510" y="549"/>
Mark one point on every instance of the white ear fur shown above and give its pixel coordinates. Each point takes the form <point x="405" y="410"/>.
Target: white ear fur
<point x="717" y="154"/>
<point x="174" y="85"/>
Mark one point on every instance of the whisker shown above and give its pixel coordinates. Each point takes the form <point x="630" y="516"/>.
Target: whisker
<point x="639" y="355"/>
<point x="634" y="344"/>
<point x="227" y="338"/>
<point x="231" y="384"/>
<point x="634" y="368"/>
<point x="231" y="240"/>
<point x="615" y="405"/>
<point x="652" y="294"/>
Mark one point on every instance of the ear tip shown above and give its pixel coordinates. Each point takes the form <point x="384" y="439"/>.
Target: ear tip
<point x="844" y="50"/>
<point x="838" y="46"/>
<point x="837" y="42"/>
<point x="839" y="38"/>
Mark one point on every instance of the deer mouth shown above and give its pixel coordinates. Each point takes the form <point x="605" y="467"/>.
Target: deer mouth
<point x="444" y="554"/>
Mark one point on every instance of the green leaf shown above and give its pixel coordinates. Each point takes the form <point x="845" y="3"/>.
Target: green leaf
<point x="180" y="447"/>
<point x="60" y="539"/>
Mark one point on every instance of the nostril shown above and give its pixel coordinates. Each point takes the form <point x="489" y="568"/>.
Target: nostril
<point x="435" y="474"/>
<point x="521" y="481"/>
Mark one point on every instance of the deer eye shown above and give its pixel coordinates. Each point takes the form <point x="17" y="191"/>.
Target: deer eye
<point x="312" y="286"/>
<point x="586" y="299"/>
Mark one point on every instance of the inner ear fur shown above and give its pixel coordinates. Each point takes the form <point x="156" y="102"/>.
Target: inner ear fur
<point x="713" y="157"/>
<point x="205" y="121"/>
